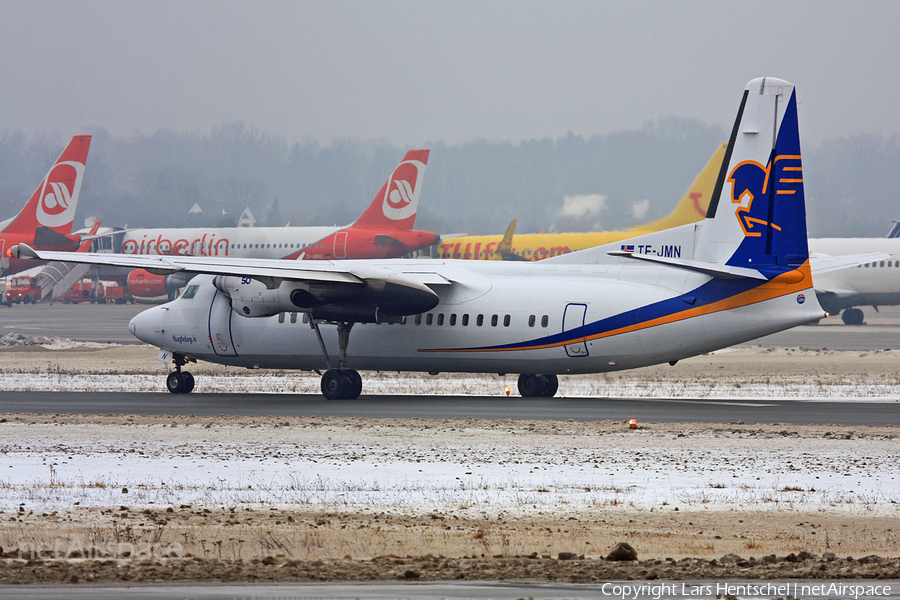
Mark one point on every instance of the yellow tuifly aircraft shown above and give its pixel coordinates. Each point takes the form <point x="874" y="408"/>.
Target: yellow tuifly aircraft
<point x="535" y="246"/>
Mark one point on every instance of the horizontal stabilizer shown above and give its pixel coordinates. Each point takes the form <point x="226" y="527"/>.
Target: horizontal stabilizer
<point x="719" y="271"/>
<point x="44" y="237"/>
<point x="383" y="240"/>
<point x="822" y="263"/>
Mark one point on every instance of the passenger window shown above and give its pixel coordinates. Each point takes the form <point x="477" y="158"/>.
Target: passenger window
<point x="293" y="317"/>
<point x="429" y="319"/>
<point x="479" y="320"/>
<point x="465" y="320"/>
<point x="506" y="321"/>
<point x="190" y="292"/>
<point x="440" y="319"/>
<point x="419" y="319"/>
<point x="453" y="320"/>
<point x="493" y="320"/>
<point x="281" y="317"/>
<point x="531" y="321"/>
<point x="306" y="317"/>
<point x="545" y="320"/>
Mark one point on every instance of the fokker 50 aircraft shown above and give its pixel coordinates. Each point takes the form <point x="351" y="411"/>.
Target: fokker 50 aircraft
<point x="45" y="222"/>
<point x="385" y="230"/>
<point x="740" y="274"/>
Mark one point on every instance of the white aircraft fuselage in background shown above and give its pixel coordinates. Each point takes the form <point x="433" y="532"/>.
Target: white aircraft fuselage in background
<point x="873" y="284"/>
<point x="384" y="230"/>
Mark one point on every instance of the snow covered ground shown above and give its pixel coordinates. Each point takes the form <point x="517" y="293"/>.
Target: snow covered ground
<point x="464" y="466"/>
<point x="470" y="466"/>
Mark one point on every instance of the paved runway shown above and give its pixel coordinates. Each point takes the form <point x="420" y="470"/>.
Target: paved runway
<point x="109" y="323"/>
<point x="425" y="591"/>
<point x="448" y="407"/>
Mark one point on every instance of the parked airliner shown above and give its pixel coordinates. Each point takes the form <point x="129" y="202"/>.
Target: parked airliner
<point x="385" y="230"/>
<point x="45" y="222"/>
<point x="874" y="284"/>
<point x="741" y="273"/>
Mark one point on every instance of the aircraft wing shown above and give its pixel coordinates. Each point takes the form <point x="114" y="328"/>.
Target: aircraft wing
<point x="346" y="290"/>
<point x="262" y="269"/>
<point x="823" y="263"/>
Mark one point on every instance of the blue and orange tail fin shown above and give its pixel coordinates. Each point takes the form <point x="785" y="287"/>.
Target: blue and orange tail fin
<point x="757" y="217"/>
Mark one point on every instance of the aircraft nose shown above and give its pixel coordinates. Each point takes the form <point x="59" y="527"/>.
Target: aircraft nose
<point x="145" y="325"/>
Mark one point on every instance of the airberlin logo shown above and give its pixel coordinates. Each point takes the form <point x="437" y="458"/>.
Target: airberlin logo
<point x="59" y="194"/>
<point x="402" y="193"/>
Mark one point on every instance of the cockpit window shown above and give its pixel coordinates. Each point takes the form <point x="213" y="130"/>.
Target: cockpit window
<point x="190" y="292"/>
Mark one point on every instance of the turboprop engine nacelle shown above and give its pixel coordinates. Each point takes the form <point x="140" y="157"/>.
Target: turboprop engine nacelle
<point x="375" y="300"/>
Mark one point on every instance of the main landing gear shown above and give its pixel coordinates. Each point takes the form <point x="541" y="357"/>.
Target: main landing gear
<point x="538" y="386"/>
<point x="178" y="381"/>
<point x="853" y="316"/>
<point x="341" y="383"/>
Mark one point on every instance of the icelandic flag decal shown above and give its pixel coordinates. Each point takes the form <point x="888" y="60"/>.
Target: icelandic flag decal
<point x="627" y="247"/>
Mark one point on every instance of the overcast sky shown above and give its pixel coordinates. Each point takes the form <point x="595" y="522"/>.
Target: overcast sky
<point x="413" y="72"/>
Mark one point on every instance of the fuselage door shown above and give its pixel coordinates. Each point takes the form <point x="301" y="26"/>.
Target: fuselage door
<point x="340" y="244"/>
<point x="4" y="260"/>
<point x="573" y="318"/>
<point x="220" y="315"/>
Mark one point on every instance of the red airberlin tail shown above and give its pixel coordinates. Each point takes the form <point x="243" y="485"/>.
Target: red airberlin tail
<point x="53" y="203"/>
<point x="396" y="204"/>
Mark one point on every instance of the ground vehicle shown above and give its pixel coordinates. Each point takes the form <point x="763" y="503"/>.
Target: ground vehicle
<point x="23" y="289"/>
<point x="85" y="291"/>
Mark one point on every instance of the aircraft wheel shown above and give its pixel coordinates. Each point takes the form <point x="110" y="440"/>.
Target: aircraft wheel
<point x="552" y="385"/>
<point x="531" y="386"/>
<point x="355" y="382"/>
<point x="853" y="316"/>
<point x="335" y="385"/>
<point x="188" y="382"/>
<point x="175" y="382"/>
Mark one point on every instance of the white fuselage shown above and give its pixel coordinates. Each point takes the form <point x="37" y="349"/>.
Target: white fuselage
<point x="490" y="305"/>
<point x="239" y="242"/>
<point x="873" y="284"/>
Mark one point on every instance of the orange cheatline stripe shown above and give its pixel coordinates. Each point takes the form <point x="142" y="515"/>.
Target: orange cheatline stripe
<point x="767" y="291"/>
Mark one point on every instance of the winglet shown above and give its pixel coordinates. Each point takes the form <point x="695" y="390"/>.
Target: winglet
<point x="22" y="251"/>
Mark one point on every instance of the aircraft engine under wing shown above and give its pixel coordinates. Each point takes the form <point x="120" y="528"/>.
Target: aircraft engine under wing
<point x="334" y="291"/>
<point x="374" y="300"/>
